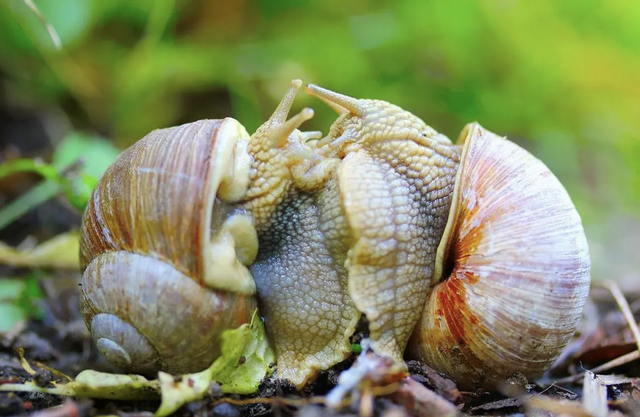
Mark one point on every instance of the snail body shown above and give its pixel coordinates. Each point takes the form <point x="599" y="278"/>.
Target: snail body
<point x="438" y="245"/>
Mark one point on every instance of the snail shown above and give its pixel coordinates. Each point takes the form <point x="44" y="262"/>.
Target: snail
<point x="469" y="257"/>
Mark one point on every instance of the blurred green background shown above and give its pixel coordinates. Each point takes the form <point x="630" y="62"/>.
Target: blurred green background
<point x="561" y="78"/>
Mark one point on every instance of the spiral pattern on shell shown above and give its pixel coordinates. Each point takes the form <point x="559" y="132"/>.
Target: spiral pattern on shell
<point x="146" y="260"/>
<point x="514" y="269"/>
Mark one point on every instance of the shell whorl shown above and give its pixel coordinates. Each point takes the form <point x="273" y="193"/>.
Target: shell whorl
<point x="146" y="249"/>
<point x="145" y="315"/>
<point x="514" y="269"/>
<point x="133" y="204"/>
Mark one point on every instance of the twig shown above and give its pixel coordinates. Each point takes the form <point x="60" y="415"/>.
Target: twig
<point x="50" y="29"/>
<point x="633" y="325"/>
<point x="624" y="307"/>
<point x="622" y="360"/>
<point x="299" y="402"/>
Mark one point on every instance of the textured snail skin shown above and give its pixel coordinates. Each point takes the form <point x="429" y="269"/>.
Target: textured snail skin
<point x="396" y="181"/>
<point x="395" y="185"/>
<point x="299" y="272"/>
<point x="360" y="236"/>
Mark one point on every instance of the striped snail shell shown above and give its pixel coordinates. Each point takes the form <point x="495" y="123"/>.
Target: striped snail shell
<point x="165" y="247"/>
<point x="512" y="274"/>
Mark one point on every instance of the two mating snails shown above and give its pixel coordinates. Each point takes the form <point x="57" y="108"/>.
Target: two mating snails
<point x="469" y="257"/>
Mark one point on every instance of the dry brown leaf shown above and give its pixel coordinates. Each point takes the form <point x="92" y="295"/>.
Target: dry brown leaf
<point x="420" y="401"/>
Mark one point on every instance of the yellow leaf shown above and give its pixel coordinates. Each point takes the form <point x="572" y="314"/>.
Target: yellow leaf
<point x="61" y="252"/>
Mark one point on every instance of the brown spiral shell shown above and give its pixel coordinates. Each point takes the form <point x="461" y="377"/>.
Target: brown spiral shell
<point x="146" y="241"/>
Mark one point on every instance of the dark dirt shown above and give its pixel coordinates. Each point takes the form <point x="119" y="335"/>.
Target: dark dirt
<point x="56" y="342"/>
<point x="60" y="340"/>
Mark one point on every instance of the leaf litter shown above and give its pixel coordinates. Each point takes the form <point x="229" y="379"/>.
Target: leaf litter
<point x="245" y="360"/>
<point x="241" y="378"/>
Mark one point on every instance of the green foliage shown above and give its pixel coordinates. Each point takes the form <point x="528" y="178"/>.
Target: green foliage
<point x="78" y="162"/>
<point x="59" y="252"/>
<point x="558" y="77"/>
<point x="93" y="153"/>
<point x="77" y="189"/>
<point x="19" y="299"/>
<point x="244" y="361"/>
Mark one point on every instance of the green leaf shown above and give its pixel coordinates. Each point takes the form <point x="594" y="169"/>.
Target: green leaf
<point x="10" y="315"/>
<point x="76" y="187"/>
<point x="11" y="288"/>
<point x="176" y="393"/>
<point x="96" y="153"/>
<point x="245" y="360"/>
<point x="95" y="384"/>
<point x="58" y="252"/>
<point x="31" y="297"/>
<point x="92" y="384"/>
<point x="18" y="301"/>
<point x="10" y="312"/>
<point x="29" y="165"/>
<point x="70" y="18"/>
<point x="27" y="201"/>
<point x="92" y="155"/>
